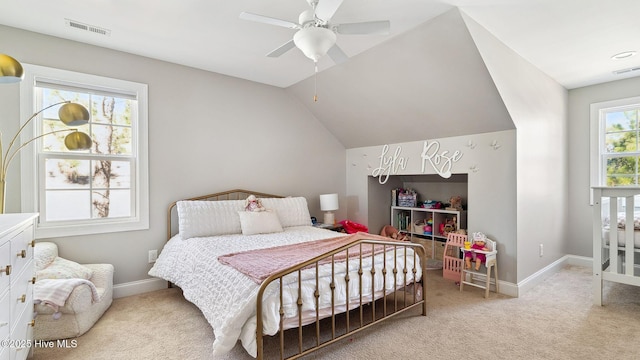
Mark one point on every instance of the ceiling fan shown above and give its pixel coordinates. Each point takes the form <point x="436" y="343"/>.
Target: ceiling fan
<point x="316" y="35"/>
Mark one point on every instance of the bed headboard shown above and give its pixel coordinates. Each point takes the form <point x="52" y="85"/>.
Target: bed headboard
<point x="236" y="194"/>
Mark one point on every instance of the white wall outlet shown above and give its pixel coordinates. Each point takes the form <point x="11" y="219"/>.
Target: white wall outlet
<point x="153" y="256"/>
<point x="541" y="250"/>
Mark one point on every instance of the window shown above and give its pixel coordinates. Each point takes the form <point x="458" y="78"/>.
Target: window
<point x="103" y="189"/>
<point x="615" y="151"/>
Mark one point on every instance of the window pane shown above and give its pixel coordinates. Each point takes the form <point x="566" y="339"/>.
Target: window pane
<point x="55" y="142"/>
<point x="111" y="174"/>
<point x="68" y="205"/>
<point x="112" y="110"/>
<point x="621" y="120"/>
<point x="52" y="96"/>
<point x="67" y="174"/>
<point x="621" y="171"/>
<point x="111" y="204"/>
<point x="111" y="139"/>
<point x="621" y="142"/>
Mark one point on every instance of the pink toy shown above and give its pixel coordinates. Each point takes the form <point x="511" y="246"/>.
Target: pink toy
<point x="253" y="204"/>
<point x="479" y="241"/>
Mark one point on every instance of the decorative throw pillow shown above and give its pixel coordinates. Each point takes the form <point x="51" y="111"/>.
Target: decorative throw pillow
<point x="262" y="222"/>
<point x="64" y="269"/>
<point x="208" y="218"/>
<point x="292" y="211"/>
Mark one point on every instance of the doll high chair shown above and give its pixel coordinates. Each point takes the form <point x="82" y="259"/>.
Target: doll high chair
<point x="481" y="278"/>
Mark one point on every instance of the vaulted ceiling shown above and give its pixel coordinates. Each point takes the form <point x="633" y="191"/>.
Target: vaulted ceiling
<point x="425" y="79"/>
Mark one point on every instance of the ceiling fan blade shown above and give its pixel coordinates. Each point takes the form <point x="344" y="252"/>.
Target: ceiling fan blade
<point x="337" y="55"/>
<point x="326" y="8"/>
<point x="268" y="20"/>
<point x="282" y="49"/>
<point x="364" y="28"/>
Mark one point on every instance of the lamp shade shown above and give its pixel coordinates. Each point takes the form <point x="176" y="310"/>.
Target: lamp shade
<point x="72" y="114"/>
<point x="329" y="202"/>
<point x="314" y="42"/>
<point x="77" y="141"/>
<point x="10" y="70"/>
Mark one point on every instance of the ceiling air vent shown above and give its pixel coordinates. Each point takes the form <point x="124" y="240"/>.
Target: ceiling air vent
<point x="90" y="28"/>
<point x="624" y="71"/>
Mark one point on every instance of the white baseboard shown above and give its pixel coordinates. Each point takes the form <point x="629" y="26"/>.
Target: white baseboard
<point x="138" y="287"/>
<point x="544" y="273"/>
<point x="506" y="288"/>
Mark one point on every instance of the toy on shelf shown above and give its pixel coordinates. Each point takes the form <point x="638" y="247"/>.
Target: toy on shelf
<point x="450" y="225"/>
<point x="477" y="248"/>
<point x="455" y="203"/>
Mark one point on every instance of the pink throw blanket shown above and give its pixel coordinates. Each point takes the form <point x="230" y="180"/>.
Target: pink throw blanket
<point x="261" y="263"/>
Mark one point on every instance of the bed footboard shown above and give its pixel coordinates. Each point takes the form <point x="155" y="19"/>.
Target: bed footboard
<point x="613" y="260"/>
<point x="358" y="311"/>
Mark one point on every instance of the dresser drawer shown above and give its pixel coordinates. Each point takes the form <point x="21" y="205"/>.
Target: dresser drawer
<point x="22" y="292"/>
<point x="23" y="333"/>
<point x="5" y="316"/>
<point x="21" y="249"/>
<point x="21" y="296"/>
<point x="5" y="264"/>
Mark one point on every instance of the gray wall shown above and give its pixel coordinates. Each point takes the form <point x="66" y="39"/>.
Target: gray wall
<point x="579" y="219"/>
<point x="491" y="185"/>
<point x="539" y="108"/>
<point x="207" y="133"/>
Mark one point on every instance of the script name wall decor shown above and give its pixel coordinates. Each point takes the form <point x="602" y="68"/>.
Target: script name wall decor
<point x="441" y="161"/>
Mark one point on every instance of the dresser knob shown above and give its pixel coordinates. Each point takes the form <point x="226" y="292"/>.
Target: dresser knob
<point x="22" y="298"/>
<point x="32" y="323"/>
<point x="32" y="243"/>
<point x="6" y="270"/>
<point x="33" y="280"/>
<point x="22" y="254"/>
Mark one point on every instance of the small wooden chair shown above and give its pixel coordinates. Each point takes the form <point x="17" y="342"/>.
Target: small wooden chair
<point x="467" y="276"/>
<point x="451" y="261"/>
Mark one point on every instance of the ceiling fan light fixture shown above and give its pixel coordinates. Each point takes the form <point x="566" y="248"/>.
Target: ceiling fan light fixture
<point x="314" y="42"/>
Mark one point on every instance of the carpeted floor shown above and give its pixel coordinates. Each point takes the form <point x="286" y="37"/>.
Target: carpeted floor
<point x="555" y="320"/>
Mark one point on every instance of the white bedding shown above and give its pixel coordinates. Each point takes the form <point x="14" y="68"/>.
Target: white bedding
<point x="622" y="237"/>
<point x="227" y="298"/>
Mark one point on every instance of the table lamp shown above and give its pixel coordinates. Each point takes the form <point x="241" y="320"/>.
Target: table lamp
<point x="329" y="203"/>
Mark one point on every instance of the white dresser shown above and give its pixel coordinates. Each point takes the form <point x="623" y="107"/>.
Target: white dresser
<point x="16" y="285"/>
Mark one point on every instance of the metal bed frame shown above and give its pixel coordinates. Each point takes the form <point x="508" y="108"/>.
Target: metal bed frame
<point x="366" y="312"/>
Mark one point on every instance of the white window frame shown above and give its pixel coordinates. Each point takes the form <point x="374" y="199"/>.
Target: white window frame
<point x="31" y="189"/>
<point x="597" y="144"/>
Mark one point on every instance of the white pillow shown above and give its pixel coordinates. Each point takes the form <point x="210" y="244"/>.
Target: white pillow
<point x="64" y="269"/>
<point x="292" y="211"/>
<point x="208" y="218"/>
<point x="259" y="222"/>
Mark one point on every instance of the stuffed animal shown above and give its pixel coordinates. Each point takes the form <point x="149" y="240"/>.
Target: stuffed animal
<point x="455" y="203"/>
<point x="391" y="232"/>
<point x="253" y="204"/>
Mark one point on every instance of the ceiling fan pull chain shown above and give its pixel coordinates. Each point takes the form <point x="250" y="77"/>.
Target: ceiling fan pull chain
<point x="315" y="83"/>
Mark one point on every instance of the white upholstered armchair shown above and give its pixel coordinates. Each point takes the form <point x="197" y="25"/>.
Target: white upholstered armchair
<point x="69" y="297"/>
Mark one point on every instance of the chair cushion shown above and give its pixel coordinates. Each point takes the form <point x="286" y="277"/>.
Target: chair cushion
<point x="44" y="253"/>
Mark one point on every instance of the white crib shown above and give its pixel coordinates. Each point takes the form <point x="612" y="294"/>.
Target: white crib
<point x="614" y="252"/>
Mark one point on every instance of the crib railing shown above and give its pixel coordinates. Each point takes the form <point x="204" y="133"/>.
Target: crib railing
<point x="391" y="303"/>
<point x="613" y="261"/>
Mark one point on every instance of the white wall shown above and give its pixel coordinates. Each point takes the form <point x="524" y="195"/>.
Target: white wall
<point x="491" y="206"/>
<point x="580" y="100"/>
<point x="207" y="133"/>
<point x="538" y="106"/>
